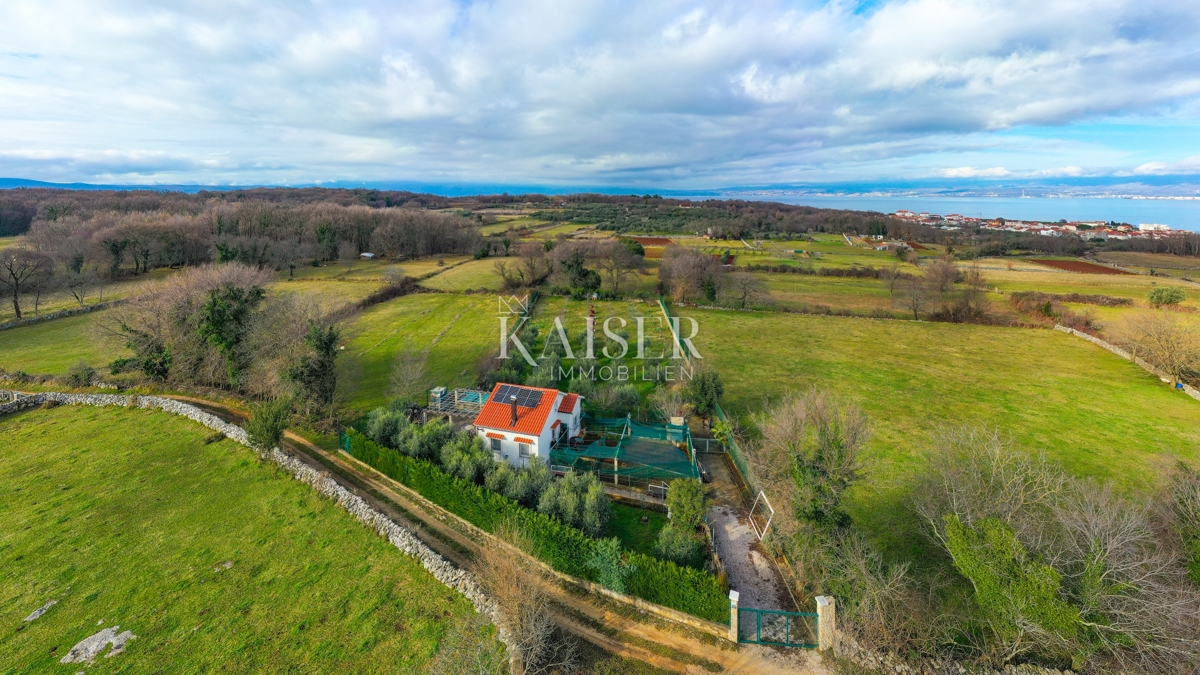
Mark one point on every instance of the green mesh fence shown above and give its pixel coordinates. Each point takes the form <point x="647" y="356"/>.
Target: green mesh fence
<point x="735" y="453"/>
<point x="642" y="451"/>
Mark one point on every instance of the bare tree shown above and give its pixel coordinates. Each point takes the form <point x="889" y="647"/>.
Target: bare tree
<point x="347" y="254"/>
<point x="912" y="295"/>
<point x="408" y="373"/>
<point x="42" y="282"/>
<point x="668" y="401"/>
<point x="288" y="253"/>
<point x="616" y="262"/>
<point x="1168" y="340"/>
<point x="1135" y="610"/>
<point x="890" y="275"/>
<point x="690" y="274"/>
<point x="743" y="288"/>
<point x="518" y="590"/>
<point x="79" y="282"/>
<point x="535" y="264"/>
<point x="941" y="275"/>
<point x="18" y="267"/>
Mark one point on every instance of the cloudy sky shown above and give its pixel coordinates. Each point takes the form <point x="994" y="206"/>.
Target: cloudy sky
<point x="671" y="94"/>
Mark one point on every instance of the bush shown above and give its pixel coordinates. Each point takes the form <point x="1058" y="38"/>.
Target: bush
<point x="267" y="422"/>
<point x="704" y="391"/>
<point x="1167" y="295"/>
<point x="609" y="568"/>
<point x="81" y="375"/>
<point x="675" y="544"/>
<point x="578" y="500"/>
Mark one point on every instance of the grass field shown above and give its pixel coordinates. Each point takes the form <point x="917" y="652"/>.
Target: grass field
<point x="53" y="302"/>
<point x="1089" y="410"/>
<point x="52" y="347"/>
<point x="455" y="329"/>
<point x="127" y="517"/>
<point x="803" y="292"/>
<point x="469" y="276"/>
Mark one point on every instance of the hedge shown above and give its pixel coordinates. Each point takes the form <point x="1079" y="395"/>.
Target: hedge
<point x="561" y="546"/>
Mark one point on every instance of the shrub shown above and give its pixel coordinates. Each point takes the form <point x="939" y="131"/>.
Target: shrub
<point x="704" y="391"/>
<point x="385" y="425"/>
<point x="81" y="375"/>
<point x="610" y="570"/>
<point x="685" y="503"/>
<point x="578" y="500"/>
<point x="1167" y="295"/>
<point x="267" y="422"/>
<point x="675" y="544"/>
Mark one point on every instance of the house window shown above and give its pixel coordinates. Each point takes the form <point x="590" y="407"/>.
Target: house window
<point x="496" y="448"/>
<point x="523" y="449"/>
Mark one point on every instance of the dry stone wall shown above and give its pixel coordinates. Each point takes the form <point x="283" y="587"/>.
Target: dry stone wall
<point x="60" y="314"/>
<point x="443" y="570"/>
<point x="1148" y="367"/>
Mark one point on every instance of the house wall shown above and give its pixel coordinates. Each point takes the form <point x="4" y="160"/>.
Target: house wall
<point x="508" y="446"/>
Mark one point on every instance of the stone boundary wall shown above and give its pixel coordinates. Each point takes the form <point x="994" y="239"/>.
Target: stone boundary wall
<point x="443" y="570"/>
<point x="60" y="314"/>
<point x="1190" y="390"/>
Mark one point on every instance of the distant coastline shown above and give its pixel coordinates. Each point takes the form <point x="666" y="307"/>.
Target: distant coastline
<point x="1178" y="212"/>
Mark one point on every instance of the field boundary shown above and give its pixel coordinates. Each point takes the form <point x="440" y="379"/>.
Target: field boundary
<point x="61" y="314"/>
<point x="1148" y="367"/>
<point x="407" y="542"/>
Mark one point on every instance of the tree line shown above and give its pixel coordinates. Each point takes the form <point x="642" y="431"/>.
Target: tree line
<point x="75" y="249"/>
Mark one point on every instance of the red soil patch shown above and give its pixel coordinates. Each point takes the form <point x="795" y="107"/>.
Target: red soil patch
<point x="1079" y="266"/>
<point x="652" y="241"/>
<point x="917" y="247"/>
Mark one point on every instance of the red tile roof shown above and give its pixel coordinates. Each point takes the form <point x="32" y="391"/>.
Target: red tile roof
<point x="568" y="403"/>
<point x="496" y="436"/>
<point x="498" y="414"/>
<point x="530" y="441"/>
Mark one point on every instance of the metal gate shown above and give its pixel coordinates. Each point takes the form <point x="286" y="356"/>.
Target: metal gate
<point x="776" y="627"/>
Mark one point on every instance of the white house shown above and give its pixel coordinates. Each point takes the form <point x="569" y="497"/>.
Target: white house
<point x="519" y="422"/>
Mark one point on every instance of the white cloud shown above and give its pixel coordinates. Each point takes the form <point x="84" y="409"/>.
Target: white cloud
<point x="972" y="172"/>
<point x="670" y="93"/>
<point x="1185" y="166"/>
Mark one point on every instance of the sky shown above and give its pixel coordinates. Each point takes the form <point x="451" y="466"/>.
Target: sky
<point x="677" y="95"/>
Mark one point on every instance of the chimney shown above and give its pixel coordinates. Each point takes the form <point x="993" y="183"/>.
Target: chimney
<point x="513" y="400"/>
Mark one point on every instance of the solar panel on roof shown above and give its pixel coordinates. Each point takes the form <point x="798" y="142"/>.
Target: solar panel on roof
<point x="526" y="398"/>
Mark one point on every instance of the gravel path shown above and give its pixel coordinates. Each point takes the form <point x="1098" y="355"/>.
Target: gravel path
<point x="751" y="574"/>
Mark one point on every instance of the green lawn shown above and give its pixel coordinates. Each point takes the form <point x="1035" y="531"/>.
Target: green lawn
<point x="471" y="328"/>
<point x="469" y="276"/>
<point x="52" y="347"/>
<point x="1089" y="410"/>
<point x="127" y="517"/>
<point x="626" y="524"/>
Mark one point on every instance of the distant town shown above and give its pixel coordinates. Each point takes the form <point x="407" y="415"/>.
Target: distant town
<point x="1087" y="229"/>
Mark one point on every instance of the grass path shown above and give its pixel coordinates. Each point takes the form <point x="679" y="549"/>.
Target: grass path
<point x="127" y="516"/>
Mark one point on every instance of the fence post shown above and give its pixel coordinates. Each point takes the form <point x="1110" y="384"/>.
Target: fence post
<point x="826" y="622"/>
<point x="733" y="616"/>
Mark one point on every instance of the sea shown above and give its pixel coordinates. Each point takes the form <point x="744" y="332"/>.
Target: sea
<point x="1180" y="214"/>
